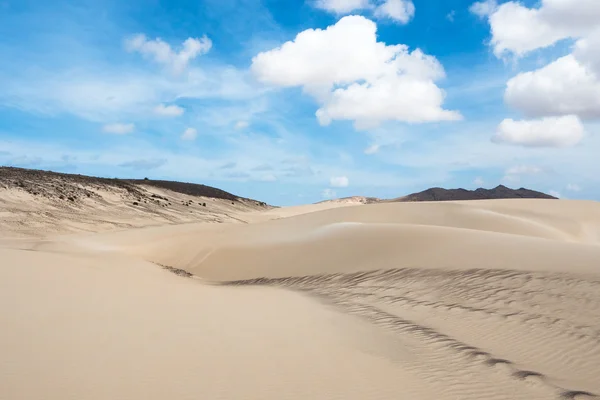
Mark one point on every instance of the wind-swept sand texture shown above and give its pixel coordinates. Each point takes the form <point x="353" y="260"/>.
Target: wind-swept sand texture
<point x="456" y="300"/>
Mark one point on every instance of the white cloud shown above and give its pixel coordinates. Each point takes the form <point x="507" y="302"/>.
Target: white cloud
<point x="241" y="125"/>
<point x="169" y="111"/>
<point x="372" y="149"/>
<point x="104" y="93"/>
<point x="342" y="6"/>
<point x="162" y="53"/>
<point x="398" y="10"/>
<point x="450" y="16"/>
<point x="587" y="52"/>
<point x="572" y="187"/>
<point x="518" y="29"/>
<point x="339" y="181"/>
<point x="568" y="86"/>
<point x="555" y="194"/>
<point x="356" y="78"/>
<point x="118" y="128"/>
<point x="563" y="87"/>
<point x="484" y="9"/>
<point x="514" y="174"/>
<point x="546" y="132"/>
<point x="478" y="181"/>
<point x="328" y="194"/>
<point x="524" y="170"/>
<point x="189" y="134"/>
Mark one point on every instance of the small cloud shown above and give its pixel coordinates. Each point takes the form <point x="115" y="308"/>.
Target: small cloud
<point x="228" y="165"/>
<point x="152" y="163"/>
<point x="118" y="129"/>
<point x="328" y="194"/>
<point x="511" y="178"/>
<point x="189" y="134"/>
<point x="513" y="174"/>
<point x="555" y="193"/>
<point x="479" y="181"/>
<point x="372" y="149"/>
<point x="169" y="111"/>
<point x="572" y="187"/>
<point x="524" y="170"/>
<point x="484" y="9"/>
<point x="339" y="181"/>
<point x="162" y="53"/>
<point x="450" y="16"/>
<point x="242" y="125"/>
<point x="400" y="11"/>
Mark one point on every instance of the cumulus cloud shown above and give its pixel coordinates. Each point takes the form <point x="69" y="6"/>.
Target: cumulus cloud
<point x="354" y="77"/>
<point x="567" y="87"/>
<point x="518" y="29"/>
<point x="189" y="134"/>
<point x="478" y="181"/>
<point x="546" y="132"/>
<point x="162" y="53"/>
<point x="563" y="87"/>
<point x="401" y="11"/>
<point x="169" y="111"/>
<point x="484" y="9"/>
<point x="339" y="181"/>
<point x="118" y="128"/>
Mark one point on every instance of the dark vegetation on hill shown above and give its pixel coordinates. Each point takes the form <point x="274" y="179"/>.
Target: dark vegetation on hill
<point x="499" y="192"/>
<point x="46" y="183"/>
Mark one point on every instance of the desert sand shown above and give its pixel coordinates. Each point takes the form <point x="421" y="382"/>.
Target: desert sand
<point x="471" y="300"/>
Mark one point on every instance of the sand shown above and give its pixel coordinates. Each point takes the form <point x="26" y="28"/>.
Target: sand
<point x="456" y="300"/>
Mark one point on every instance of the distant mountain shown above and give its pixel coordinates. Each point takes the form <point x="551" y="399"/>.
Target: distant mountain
<point x="499" y="192"/>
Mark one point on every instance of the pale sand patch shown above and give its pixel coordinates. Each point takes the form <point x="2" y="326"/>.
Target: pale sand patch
<point x="463" y="300"/>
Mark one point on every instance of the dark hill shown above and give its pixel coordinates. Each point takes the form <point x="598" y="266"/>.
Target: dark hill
<point x="499" y="192"/>
<point x="30" y="179"/>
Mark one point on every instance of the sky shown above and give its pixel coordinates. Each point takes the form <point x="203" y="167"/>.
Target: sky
<point x="296" y="101"/>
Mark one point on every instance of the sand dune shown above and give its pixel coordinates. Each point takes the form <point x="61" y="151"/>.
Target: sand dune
<point x="456" y="300"/>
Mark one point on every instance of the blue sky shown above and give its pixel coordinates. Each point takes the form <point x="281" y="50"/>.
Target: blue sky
<point x="295" y="101"/>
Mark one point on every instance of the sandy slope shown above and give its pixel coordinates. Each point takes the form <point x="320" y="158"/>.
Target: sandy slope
<point x="24" y="215"/>
<point x="473" y="300"/>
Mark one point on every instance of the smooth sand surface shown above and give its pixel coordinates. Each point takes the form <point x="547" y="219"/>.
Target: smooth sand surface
<point x="456" y="300"/>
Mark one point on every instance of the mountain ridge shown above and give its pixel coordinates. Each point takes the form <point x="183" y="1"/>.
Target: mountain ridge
<point x="442" y="194"/>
